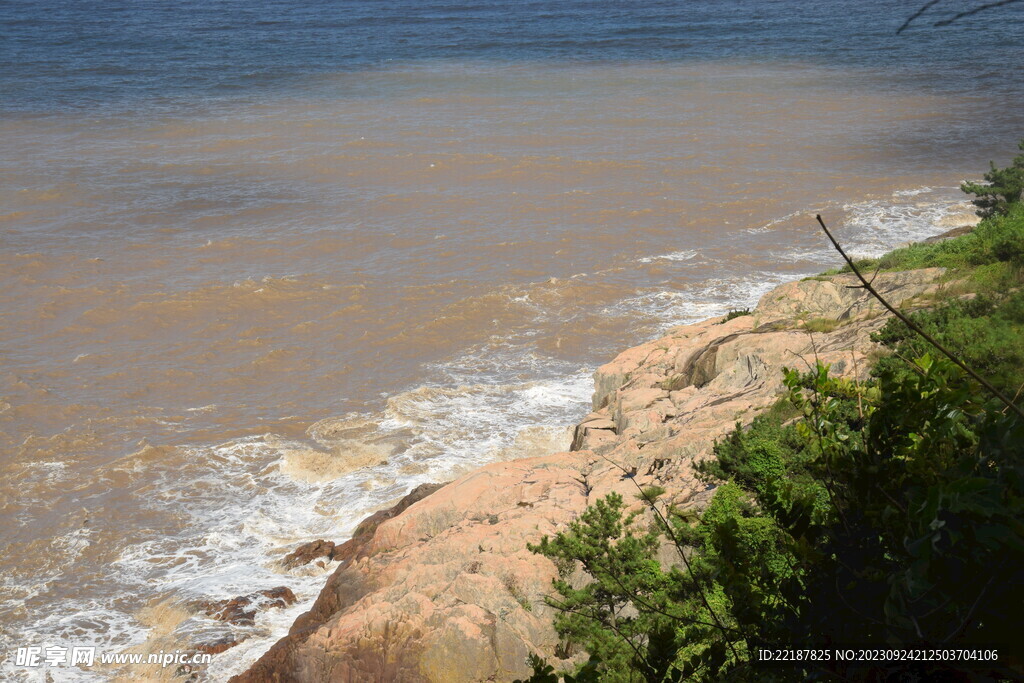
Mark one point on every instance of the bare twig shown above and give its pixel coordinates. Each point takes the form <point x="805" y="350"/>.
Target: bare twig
<point x="956" y="17"/>
<point x="979" y="8"/>
<point x="856" y="381"/>
<point x="1015" y="396"/>
<point x="970" y="612"/>
<point x="913" y="326"/>
<point x="915" y="15"/>
<point x="805" y="361"/>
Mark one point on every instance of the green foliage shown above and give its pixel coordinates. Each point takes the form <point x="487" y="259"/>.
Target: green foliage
<point x="619" y="610"/>
<point x="888" y="513"/>
<point x="545" y="673"/>
<point x="736" y="313"/>
<point x="1002" y="187"/>
<point x="650" y="494"/>
<point x="986" y="332"/>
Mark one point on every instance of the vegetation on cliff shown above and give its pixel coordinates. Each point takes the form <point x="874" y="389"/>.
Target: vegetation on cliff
<point x="1002" y="187"/>
<point x="883" y="512"/>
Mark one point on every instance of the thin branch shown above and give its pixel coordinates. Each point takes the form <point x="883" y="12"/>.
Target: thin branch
<point x="915" y="15"/>
<point x="611" y="624"/>
<point x="979" y="8"/>
<point x="970" y="612"/>
<point x="840" y="592"/>
<point x="856" y="381"/>
<point x="1015" y="396"/>
<point x="805" y="361"/>
<point x="913" y="326"/>
<point x="956" y="17"/>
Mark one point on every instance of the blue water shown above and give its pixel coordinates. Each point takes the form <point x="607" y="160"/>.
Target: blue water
<point x="111" y="54"/>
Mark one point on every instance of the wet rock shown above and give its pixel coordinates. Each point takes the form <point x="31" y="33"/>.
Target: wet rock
<point x="308" y="552"/>
<point x="215" y="647"/>
<point x="241" y="610"/>
<point x="950" y="234"/>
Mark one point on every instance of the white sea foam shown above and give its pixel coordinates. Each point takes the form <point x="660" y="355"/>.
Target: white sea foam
<point x="714" y="296"/>
<point x="873" y="227"/>
<point x="245" y="512"/>
<point x="93" y="623"/>
<point x="870" y="228"/>
<point x="912" y="192"/>
<point x="684" y="255"/>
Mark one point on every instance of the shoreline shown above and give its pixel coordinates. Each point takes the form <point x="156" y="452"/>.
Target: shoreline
<point x="479" y="610"/>
<point x="593" y="431"/>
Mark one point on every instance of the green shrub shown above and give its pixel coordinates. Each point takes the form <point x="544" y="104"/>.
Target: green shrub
<point x="889" y="513"/>
<point x="736" y="313"/>
<point x="1002" y="188"/>
<point x="985" y="332"/>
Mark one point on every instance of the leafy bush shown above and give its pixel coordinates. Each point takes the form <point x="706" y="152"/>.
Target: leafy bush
<point x="888" y="513"/>
<point x="1002" y="189"/>
<point x="736" y="313"/>
<point x="986" y="333"/>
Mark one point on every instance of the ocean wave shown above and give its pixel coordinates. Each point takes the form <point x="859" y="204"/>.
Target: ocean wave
<point x="251" y="500"/>
<point x="684" y="255"/>
<point x="874" y="227"/>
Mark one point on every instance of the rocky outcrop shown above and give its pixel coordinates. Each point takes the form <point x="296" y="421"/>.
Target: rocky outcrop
<point x="307" y="552"/>
<point x="444" y="589"/>
<point x="839" y="298"/>
<point x="241" y="610"/>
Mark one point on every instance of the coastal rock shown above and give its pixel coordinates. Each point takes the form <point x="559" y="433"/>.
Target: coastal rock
<point x="308" y="552"/>
<point x="215" y="647"/>
<point x="838" y="298"/>
<point x="241" y="610"/>
<point x="950" y="234"/>
<point x="592" y="432"/>
<point x="442" y="587"/>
